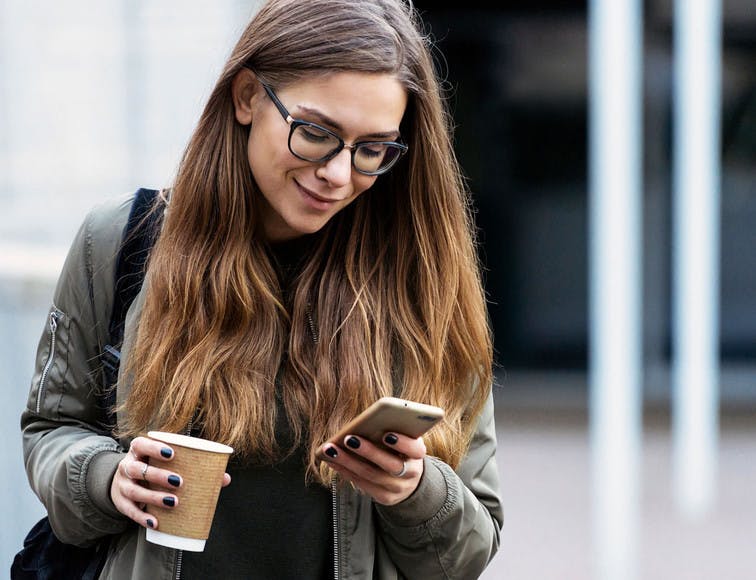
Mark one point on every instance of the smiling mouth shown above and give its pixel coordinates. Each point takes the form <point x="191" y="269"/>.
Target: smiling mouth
<point x="315" y="196"/>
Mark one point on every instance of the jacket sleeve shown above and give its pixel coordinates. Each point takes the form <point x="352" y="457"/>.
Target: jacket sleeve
<point x="70" y="458"/>
<point x="449" y="527"/>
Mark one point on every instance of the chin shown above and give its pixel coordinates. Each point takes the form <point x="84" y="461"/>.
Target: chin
<point x="312" y="226"/>
<point x="304" y="229"/>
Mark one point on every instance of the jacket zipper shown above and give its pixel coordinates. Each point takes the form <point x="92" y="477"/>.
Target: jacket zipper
<point x="55" y="315"/>
<point x="311" y="324"/>
<point x="179" y="558"/>
<point x="335" y="514"/>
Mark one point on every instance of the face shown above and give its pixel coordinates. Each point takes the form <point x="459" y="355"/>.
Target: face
<point x="301" y="196"/>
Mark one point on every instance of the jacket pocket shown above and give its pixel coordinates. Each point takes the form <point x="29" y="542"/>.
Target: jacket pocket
<point x="52" y="356"/>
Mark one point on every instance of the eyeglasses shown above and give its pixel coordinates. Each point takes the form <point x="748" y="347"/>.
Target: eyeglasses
<point x="311" y="142"/>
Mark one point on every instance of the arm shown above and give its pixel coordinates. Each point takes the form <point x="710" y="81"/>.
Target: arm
<point x="69" y="457"/>
<point x="449" y="527"/>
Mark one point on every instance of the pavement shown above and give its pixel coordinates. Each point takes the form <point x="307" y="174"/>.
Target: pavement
<point x="544" y="462"/>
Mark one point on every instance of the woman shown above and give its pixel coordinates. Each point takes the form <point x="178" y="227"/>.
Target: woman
<point x="316" y="254"/>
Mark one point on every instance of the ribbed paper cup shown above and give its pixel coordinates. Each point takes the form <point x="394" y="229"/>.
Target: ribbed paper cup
<point x="201" y="464"/>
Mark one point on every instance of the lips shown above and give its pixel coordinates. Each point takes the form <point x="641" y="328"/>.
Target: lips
<point x="317" y="197"/>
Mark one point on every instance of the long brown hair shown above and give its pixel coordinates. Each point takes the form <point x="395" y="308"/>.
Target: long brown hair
<point x="392" y="285"/>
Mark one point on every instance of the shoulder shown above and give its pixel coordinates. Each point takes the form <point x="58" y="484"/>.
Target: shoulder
<point x="92" y="258"/>
<point x="106" y="221"/>
<point x="98" y="238"/>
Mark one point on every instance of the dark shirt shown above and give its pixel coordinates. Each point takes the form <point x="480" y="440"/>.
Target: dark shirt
<point x="269" y="524"/>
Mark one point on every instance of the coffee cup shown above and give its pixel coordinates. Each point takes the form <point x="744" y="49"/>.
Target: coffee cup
<point x="201" y="464"/>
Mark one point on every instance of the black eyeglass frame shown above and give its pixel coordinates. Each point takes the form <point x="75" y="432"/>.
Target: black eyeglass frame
<point x="294" y="123"/>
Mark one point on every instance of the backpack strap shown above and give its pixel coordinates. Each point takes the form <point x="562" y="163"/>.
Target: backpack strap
<point x="139" y="236"/>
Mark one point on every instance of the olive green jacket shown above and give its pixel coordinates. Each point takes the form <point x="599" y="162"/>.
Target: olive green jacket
<point x="449" y="528"/>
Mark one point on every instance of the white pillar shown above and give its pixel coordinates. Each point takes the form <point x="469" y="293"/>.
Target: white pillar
<point x="696" y="252"/>
<point x="615" y="53"/>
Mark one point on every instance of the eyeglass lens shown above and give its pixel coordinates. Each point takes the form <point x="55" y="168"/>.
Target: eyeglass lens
<point x="313" y="144"/>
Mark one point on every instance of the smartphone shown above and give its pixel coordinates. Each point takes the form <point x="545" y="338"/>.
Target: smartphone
<point x="390" y="414"/>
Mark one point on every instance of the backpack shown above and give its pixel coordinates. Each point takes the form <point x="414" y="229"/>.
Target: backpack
<point x="44" y="556"/>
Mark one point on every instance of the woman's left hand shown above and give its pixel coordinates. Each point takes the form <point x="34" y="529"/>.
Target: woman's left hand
<point x="389" y="477"/>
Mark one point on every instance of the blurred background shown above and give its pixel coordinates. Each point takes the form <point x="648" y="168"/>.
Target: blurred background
<point x="98" y="98"/>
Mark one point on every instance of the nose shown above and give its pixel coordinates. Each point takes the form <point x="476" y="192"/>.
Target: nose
<point x="338" y="170"/>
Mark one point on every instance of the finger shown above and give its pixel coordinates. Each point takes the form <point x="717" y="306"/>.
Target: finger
<point x="368" y="462"/>
<point x="138" y="494"/>
<point x="130" y="494"/>
<point x="121" y="491"/>
<point x="388" y="461"/>
<point x="155" y="476"/>
<point x="226" y="479"/>
<point x="160" y="478"/>
<point x="131" y="468"/>
<point x="142" y="447"/>
<point x="133" y="512"/>
<point x="409" y="446"/>
<point x="397" y="492"/>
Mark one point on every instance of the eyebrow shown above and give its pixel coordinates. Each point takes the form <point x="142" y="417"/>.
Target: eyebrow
<point x="326" y="120"/>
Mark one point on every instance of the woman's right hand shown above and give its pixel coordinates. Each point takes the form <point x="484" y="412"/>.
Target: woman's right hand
<point x="129" y="490"/>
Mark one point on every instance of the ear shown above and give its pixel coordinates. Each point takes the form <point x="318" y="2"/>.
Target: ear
<point x="244" y="89"/>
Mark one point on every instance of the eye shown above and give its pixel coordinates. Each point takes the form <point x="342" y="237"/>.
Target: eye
<point x="313" y="134"/>
<point x="372" y="151"/>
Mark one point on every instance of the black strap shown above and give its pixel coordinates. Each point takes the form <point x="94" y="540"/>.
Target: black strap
<point x="139" y="236"/>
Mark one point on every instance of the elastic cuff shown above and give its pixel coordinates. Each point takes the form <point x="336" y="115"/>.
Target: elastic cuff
<point x="100" y="475"/>
<point x="424" y="503"/>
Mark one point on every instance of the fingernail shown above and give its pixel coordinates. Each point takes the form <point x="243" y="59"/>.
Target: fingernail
<point x="353" y="442"/>
<point x="151" y="523"/>
<point x="166" y="452"/>
<point x="169" y="501"/>
<point x="331" y="452"/>
<point x="174" y="480"/>
<point x="391" y="439"/>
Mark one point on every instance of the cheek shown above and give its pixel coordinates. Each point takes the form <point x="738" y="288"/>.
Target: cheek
<point x="266" y="155"/>
<point x="257" y="147"/>
<point x="362" y="183"/>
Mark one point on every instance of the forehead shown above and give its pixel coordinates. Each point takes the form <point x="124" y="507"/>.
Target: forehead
<point x="356" y="103"/>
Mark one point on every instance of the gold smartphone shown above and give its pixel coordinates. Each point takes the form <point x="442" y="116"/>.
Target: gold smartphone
<point x="389" y="414"/>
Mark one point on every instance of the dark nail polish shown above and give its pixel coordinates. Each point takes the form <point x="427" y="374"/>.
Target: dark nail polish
<point x="151" y="523"/>
<point x="174" y="480"/>
<point x="166" y="452"/>
<point x="169" y="501"/>
<point x="331" y="452"/>
<point x="391" y="439"/>
<point x="353" y="442"/>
